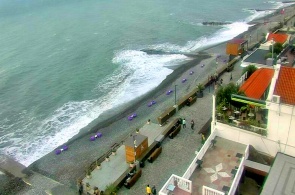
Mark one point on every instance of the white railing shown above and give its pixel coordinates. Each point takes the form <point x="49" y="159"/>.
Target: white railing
<point x="239" y="173"/>
<point x="210" y="191"/>
<point x="237" y="178"/>
<point x="247" y="152"/>
<point x="188" y="173"/>
<point x="180" y="182"/>
<point x="242" y="79"/>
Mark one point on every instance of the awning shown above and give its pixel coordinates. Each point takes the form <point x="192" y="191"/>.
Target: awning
<point x="251" y="101"/>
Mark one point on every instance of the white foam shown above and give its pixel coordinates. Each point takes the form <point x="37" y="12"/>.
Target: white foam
<point x="145" y="71"/>
<point x="226" y="33"/>
<point x="138" y="74"/>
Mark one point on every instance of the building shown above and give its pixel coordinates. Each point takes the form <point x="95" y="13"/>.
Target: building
<point x="221" y="163"/>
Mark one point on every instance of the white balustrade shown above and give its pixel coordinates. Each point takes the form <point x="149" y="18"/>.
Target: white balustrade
<point x="200" y="155"/>
<point x="210" y="191"/>
<point x="182" y="183"/>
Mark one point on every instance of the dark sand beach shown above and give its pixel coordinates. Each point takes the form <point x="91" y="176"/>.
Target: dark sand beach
<point x="70" y="165"/>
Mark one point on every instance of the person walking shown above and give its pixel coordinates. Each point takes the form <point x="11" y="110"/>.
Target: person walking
<point x="184" y="123"/>
<point x="148" y="190"/>
<point x="192" y="124"/>
<point x="80" y="187"/>
<point x="154" y="190"/>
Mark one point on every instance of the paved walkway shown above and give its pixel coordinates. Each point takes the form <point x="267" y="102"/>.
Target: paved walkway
<point x="178" y="153"/>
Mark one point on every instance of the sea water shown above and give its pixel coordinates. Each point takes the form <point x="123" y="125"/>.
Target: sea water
<point x="65" y="62"/>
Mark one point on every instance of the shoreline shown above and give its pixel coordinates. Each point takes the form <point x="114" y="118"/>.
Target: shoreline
<point x="82" y="152"/>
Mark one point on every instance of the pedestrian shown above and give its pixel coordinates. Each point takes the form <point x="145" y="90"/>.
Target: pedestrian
<point x="80" y="187"/>
<point x="231" y="76"/>
<point x="154" y="190"/>
<point x="203" y="138"/>
<point x="184" y="123"/>
<point x="96" y="191"/>
<point x="192" y="124"/>
<point x="148" y="190"/>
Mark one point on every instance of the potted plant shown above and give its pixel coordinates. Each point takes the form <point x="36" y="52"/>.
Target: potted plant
<point x="98" y="165"/>
<point x="88" y="188"/>
<point x="107" y="158"/>
<point x="96" y="190"/>
<point x="131" y="165"/>
<point x="200" y="88"/>
<point x="111" y="189"/>
<point x="113" y="151"/>
<point x="88" y="173"/>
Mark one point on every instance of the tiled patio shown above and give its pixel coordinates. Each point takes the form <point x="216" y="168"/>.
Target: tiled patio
<point x="218" y="163"/>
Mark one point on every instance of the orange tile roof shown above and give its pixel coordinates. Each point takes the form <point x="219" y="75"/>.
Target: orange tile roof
<point x="278" y="38"/>
<point x="258" y="82"/>
<point x="285" y="85"/>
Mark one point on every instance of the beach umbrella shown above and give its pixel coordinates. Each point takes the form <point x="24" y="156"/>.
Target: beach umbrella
<point x="92" y="138"/>
<point x="65" y="148"/>
<point x="57" y="152"/>
<point x="98" y="135"/>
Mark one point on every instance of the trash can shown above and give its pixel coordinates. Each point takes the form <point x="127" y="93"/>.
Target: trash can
<point x="141" y="164"/>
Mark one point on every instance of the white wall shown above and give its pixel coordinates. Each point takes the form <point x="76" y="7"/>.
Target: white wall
<point x="259" y="142"/>
<point x="281" y="126"/>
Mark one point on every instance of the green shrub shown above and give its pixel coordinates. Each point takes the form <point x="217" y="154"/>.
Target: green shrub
<point x="269" y="55"/>
<point x="277" y="48"/>
<point x="111" y="189"/>
<point x="250" y="69"/>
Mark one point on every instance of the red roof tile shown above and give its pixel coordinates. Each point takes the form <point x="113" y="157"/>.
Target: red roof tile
<point x="285" y="85"/>
<point x="278" y="38"/>
<point x="258" y="82"/>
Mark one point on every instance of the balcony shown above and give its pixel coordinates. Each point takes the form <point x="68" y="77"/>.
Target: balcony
<point x="177" y="186"/>
<point x="254" y="120"/>
<point x="221" y="165"/>
<point x="216" y="169"/>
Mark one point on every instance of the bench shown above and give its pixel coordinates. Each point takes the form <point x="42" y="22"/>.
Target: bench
<point x="193" y="100"/>
<point x="184" y="100"/>
<point x="132" y="181"/>
<point x="147" y="153"/>
<point x="166" y="115"/>
<point x="121" y="180"/>
<point x="170" y="128"/>
<point x="155" y="154"/>
<point x="175" y="132"/>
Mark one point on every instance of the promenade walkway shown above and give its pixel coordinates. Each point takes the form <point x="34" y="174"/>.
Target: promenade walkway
<point x="178" y="153"/>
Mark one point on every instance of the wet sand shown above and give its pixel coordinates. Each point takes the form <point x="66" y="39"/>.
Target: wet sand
<point x="70" y="165"/>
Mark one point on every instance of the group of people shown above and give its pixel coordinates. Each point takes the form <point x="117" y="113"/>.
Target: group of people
<point x="183" y="122"/>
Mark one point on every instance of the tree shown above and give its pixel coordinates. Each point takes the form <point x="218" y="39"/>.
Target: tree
<point x="277" y="48"/>
<point x="250" y="69"/>
<point x="223" y="95"/>
<point x="269" y="55"/>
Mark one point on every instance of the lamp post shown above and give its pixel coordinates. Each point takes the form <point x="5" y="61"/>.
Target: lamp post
<point x="272" y="49"/>
<point x="175" y="95"/>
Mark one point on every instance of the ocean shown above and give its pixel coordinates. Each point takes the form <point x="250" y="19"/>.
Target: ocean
<point x="65" y="62"/>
